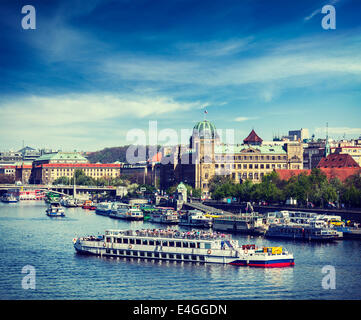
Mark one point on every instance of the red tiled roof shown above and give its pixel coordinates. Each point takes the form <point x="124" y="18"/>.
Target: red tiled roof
<point x="253" y="137"/>
<point x="340" y="173"/>
<point x="335" y="160"/>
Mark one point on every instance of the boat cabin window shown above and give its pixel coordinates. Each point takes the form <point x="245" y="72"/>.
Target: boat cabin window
<point x="185" y="244"/>
<point x="192" y="245"/>
<point x="151" y="242"/>
<point x="125" y="240"/>
<point x="178" y="244"/>
<point x="157" y="243"/>
<point x="108" y="239"/>
<point x="145" y="242"/>
<point x="138" y="241"/>
<point x="165" y="243"/>
<point x="171" y="243"/>
<point x="207" y="245"/>
<point x="131" y="241"/>
<point x="119" y="240"/>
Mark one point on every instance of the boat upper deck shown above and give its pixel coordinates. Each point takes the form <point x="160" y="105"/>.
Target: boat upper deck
<point x="170" y="233"/>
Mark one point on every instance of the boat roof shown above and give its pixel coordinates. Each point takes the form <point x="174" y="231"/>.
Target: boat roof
<point x="174" y="234"/>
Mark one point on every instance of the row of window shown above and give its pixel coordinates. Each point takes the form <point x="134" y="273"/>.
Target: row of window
<point x="164" y="243"/>
<point x="240" y="158"/>
<point x="85" y="169"/>
<point x="251" y="166"/>
<point x="141" y="254"/>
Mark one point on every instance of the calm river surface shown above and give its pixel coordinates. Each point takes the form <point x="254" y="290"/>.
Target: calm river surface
<point x="29" y="237"/>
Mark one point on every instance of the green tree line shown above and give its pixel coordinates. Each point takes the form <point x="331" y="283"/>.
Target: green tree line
<point x="314" y="188"/>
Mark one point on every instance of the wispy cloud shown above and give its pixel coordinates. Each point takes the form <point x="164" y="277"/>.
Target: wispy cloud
<point x="242" y="119"/>
<point x="215" y="48"/>
<point x="317" y="11"/>
<point x="339" y="130"/>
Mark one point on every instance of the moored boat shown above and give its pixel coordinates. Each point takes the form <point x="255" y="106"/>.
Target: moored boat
<point x="195" y="218"/>
<point x="126" y="211"/>
<point x="70" y="203"/>
<point x="88" y="204"/>
<point x="9" y="198"/>
<point x="172" y="245"/>
<point x="312" y="231"/>
<point x="104" y="208"/>
<point x="164" y="215"/>
<point x="244" y="223"/>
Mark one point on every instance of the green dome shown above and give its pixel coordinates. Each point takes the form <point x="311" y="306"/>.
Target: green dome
<point x="205" y="129"/>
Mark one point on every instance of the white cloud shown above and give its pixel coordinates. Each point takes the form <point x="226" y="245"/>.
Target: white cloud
<point x="88" y="120"/>
<point x="242" y="119"/>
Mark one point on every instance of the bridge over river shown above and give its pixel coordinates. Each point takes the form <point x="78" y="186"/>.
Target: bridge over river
<point x="63" y="189"/>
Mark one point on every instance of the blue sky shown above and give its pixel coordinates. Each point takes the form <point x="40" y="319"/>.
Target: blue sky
<point x="92" y="71"/>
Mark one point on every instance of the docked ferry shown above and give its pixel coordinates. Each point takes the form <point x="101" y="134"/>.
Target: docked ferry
<point x="173" y="245"/>
<point x="126" y="211"/>
<point x="312" y="231"/>
<point x="164" y="215"/>
<point x="104" y="208"/>
<point x="195" y="218"/>
<point x="243" y="223"/>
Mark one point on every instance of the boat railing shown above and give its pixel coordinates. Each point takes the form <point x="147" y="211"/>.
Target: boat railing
<point x="195" y="235"/>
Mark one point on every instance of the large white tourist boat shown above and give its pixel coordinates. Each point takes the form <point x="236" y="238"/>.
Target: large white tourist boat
<point x="126" y="211"/>
<point x="173" y="245"/>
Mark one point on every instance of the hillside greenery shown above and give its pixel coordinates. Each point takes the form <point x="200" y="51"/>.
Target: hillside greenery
<point x="111" y="155"/>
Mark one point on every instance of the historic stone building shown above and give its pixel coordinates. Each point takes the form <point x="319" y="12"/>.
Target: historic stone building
<point x="206" y="156"/>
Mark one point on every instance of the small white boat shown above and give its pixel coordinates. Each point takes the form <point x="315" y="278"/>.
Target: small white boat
<point x="69" y="203"/>
<point x="55" y="210"/>
<point x="9" y="198"/>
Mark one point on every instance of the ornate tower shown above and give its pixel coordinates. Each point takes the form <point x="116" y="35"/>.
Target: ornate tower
<point x="202" y="141"/>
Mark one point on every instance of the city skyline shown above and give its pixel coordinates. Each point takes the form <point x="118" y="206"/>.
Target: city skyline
<point x="91" y="72"/>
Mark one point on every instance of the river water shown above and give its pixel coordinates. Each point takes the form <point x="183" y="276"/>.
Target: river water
<point x="29" y="237"/>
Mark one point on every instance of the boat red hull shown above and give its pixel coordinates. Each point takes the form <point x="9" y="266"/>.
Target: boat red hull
<point x="268" y="264"/>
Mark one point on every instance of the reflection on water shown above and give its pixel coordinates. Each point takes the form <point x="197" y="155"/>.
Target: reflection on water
<point x="28" y="236"/>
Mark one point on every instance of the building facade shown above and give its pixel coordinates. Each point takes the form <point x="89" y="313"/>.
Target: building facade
<point x="206" y="156"/>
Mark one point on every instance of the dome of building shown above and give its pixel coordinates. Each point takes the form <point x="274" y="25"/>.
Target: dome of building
<point x="205" y="129"/>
